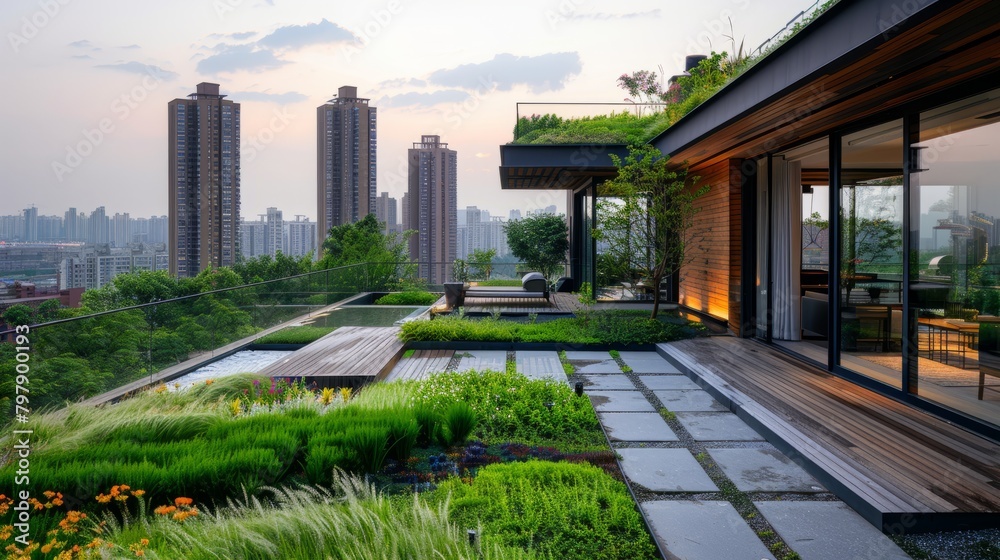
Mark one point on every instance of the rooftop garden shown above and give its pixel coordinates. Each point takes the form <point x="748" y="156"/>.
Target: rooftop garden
<point x="250" y="467"/>
<point x="656" y="105"/>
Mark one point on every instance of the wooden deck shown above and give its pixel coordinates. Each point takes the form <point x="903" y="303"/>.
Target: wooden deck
<point x="557" y="303"/>
<point x="901" y="468"/>
<point x="420" y="364"/>
<point x="347" y="357"/>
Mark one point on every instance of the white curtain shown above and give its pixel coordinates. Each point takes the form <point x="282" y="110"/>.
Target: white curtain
<point x="786" y="247"/>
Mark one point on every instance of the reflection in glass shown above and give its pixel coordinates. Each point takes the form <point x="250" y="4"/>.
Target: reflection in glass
<point x="871" y="252"/>
<point x="955" y="289"/>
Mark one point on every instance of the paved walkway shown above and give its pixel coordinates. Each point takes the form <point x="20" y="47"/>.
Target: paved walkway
<point x="709" y="485"/>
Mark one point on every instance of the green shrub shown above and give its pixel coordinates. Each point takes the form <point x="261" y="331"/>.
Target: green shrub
<point x="427" y="420"/>
<point x="558" y="510"/>
<point x="302" y="334"/>
<point x="599" y="327"/>
<point x="403" y="432"/>
<point x="511" y="407"/>
<point x="408" y="298"/>
<point x="460" y="420"/>
<point x="369" y="445"/>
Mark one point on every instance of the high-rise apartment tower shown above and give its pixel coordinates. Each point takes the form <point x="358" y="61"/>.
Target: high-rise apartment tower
<point x="345" y="160"/>
<point x="204" y="175"/>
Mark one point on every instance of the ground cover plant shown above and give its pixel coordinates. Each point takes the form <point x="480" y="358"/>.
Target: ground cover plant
<point x="252" y="467"/>
<point x="302" y="334"/>
<point x="596" y="327"/>
<point x="408" y="298"/>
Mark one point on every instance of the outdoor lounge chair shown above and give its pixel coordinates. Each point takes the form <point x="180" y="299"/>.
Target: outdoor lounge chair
<point x="533" y="285"/>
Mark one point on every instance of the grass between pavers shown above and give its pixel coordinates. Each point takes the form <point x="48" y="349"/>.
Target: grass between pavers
<point x="229" y="441"/>
<point x="597" y="327"/>
<point x="302" y="334"/>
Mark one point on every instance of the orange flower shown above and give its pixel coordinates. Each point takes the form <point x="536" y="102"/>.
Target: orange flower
<point x="49" y="494"/>
<point x="103" y="498"/>
<point x="183" y="501"/>
<point x="138" y="493"/>
<point x="164" y="510"/>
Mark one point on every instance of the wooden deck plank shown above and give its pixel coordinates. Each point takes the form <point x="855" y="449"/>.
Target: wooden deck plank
<point x="896" y="458"/>
<point x="420" y="364"/>
<point x="348" y="352"/>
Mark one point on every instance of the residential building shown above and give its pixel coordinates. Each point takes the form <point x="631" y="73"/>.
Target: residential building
<point x="71" y="225"/>
<point x="273" y="232"/>
<point x="121" y="230"/>
<point x="98" y="227"/>
<point x="346" y="143"/>
<point x="300" y="237"/>
<point x="31" y="225"/>
<point x="432" y="193"/>
<point x="253" y="238"/>
<point x="386" y="212"/>
<point x="204" y="181"/>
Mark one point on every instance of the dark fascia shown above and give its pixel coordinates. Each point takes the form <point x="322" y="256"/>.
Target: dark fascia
<point x="572" y="157"/>
<point x="847" y="31"/>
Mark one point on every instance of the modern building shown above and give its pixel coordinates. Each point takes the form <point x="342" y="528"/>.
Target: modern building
<point x="386" y="210"/>
<point x="852" y="178"/>
<point x="93" y="267"/>
<point x="121" y="230"/>
<point x="300" y="237"/>
<point x="274" y="232"/>
<point x="98" y="227"/>
<point x="31" y="225"/>
<point x="204" y="181"/>
<point x="432" y="195"/>
<point x="346" y="143"/>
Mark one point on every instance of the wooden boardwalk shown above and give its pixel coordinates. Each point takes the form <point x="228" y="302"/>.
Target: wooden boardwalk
<point x="347" y="357"/>
<point x="420" y="364"/>
<point x="901" y="468"/>
<point x="557" y="303"/>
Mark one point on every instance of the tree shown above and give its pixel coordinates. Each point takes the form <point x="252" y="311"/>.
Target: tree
<point x="364" y="242"/>
<point x="19" y="314"/>
<point x="541" y="241"/>
<point x="646" y="180"/>
<point x="481" y="263"/>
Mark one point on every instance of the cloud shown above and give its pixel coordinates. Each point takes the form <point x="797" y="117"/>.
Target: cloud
<point x="133" y="67"/>
<point x="264" y="97"/>
<point x="298" y="36"/>
<point x="130" y="47"/>
<point x="242" y="35"/>
<point x="482" y="155"/>
<point x="546" y="72"/>
<point x="651" y="14"/>
<point x="418" y="99"/>
<point x="235" y="58"/>
<point x="82" y="43"/>
<point x="83" y="56"/>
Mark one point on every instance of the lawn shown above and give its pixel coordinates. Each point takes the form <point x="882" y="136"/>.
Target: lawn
<point x="251" y="467"/>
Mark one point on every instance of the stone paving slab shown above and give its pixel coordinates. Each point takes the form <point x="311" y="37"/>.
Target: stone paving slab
<point x="636" y="426"/>
<point x="717" y="426"/>
<point x="540" y="364"/>
<point x="609" y="383"/>
<point x="620" y="401"/>
<point x="828" y="531"/>
<point x="668" y="382"/>
<point x="592" y="362"/>
<point x="665" y="470"/>
<point x="764" y="470"/>
<point x="689" y="401"/>
<point x="704" y="530"/>
<point x="647" y="362"/>
<point x="480" y="360"/>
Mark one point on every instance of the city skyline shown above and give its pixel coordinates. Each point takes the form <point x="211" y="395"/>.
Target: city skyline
<point x="282" y="61"/>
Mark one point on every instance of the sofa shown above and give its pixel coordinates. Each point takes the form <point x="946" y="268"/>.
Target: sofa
<point x="533" y="285"/>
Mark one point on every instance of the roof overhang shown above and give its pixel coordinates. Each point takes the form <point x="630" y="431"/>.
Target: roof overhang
<point x="557" y="166"/>
<point x="858" y="60"/>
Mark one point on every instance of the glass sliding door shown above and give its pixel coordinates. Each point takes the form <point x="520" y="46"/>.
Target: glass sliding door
<point x="871" y="252"/>
<point x="955" y="256"/>
<point x="800" y="249"/>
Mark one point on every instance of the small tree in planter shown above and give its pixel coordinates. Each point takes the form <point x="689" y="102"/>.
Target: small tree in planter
<point x="646" y="183"/>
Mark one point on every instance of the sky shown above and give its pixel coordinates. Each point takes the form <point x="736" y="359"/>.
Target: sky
<point x="84" y="109"/>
